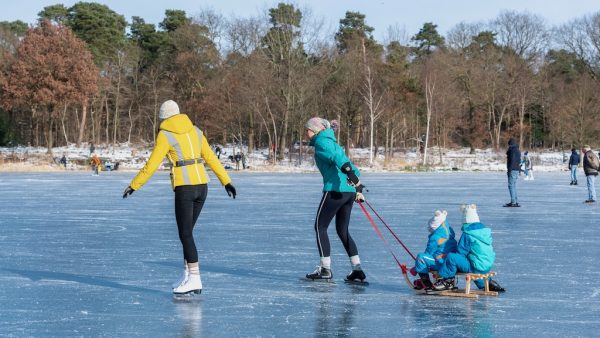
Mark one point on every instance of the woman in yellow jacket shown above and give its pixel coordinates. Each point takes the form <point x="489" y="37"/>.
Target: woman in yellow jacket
<point x="185" y="146"/>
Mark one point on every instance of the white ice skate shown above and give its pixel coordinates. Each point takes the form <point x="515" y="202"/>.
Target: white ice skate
<point x="182" y="278"/>
<point x="192" y="284"/>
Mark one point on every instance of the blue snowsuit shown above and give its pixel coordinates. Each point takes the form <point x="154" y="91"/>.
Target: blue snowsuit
<point x="474" y="253"/>
<point x="441" y="242"/>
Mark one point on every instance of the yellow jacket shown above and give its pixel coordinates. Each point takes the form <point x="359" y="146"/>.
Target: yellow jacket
<point x="185" y="146"/>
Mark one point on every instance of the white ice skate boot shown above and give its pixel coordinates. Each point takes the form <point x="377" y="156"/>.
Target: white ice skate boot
<point x="184" y="275"/>
<point x="192" y="284"/>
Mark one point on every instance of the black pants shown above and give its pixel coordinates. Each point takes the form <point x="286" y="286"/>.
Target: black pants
<point x="338" y="204"/>
<point x="189" y="200"/>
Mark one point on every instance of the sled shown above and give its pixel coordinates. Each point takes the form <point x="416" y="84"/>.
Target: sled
<point x="464" y="293"/>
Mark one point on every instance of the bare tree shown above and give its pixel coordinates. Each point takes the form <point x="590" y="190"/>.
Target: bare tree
<point x="582" y="37"/>
<point x="524" y="33"/>
<point x="461" y="35"/>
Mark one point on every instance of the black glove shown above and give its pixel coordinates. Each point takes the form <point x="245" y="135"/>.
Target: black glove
<point x="128" y="191"/>
<point x="230" y="190"/>
<point x="359" y="188"/>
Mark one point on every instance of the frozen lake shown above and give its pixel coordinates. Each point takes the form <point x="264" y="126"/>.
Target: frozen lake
<point x="78" y="260"/>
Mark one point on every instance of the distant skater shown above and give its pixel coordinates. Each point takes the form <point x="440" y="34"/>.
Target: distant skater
<point x="528" y="166"/>
<point x="341" y="188"/>
<point x="513" y="166"/>
<point x="238" y="159"/>
<point x="63" y="160"/>
<point x="185" y="146"/>
<point x="574" y="161"/>
<point x="96" y="164"/>
<point x="591" y="165"/>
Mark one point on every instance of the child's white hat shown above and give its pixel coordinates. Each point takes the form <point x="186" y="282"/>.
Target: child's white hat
<point x="439" y="217"/>
<point x="469" y="213"/>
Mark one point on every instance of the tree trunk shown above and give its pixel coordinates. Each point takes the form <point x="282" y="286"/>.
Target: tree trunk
<point x="50" y="133"/>
<point x="82" y="125"/>
<point x="429" y="90"/>
<point x="64" y="114"/>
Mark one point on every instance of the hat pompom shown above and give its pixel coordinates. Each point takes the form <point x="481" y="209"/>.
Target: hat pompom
<point x="469" y="213"/>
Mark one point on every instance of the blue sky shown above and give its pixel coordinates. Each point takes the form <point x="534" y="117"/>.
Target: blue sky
<point x="379" y="13"/>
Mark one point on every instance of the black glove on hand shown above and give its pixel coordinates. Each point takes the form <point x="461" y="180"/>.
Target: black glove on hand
<point x="359" y="188"/>
<point x="230" y="190"/>
<point x="128" y="191"/>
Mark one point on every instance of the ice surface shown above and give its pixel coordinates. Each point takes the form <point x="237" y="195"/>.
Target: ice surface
<point x="78" y="260"/>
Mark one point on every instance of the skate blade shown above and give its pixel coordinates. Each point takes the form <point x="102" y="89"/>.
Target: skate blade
<point x="191" y="293"/>
<point x="356" y="282"/>
<point x="319" y="280"/>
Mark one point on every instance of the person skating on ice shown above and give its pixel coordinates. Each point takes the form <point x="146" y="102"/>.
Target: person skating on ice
<point x="474" y="253"/>
<point x="574" y="161"/>
<point x="528" y="166"/>
<point x="341" y="188"/>
<point x="513" y="166"/>
<point x="591" y="166"/>
<point x="96" y="164"/>
<point x="440" y="243"/>
<point x="185" y="147"/>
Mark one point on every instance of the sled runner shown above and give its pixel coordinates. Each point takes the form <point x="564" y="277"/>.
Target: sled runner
<point x="465" y="293"/>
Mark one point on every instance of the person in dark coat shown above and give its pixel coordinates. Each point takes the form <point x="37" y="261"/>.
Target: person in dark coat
<point x="63" y="161"/>
<point x="574" y="161"/>
<point x="513" y="166"/>
<point x="591" y="165"/>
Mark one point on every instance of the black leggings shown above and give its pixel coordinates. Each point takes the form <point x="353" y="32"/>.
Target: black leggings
<point x="338" y="204"/>
<point x="189" y="200"/>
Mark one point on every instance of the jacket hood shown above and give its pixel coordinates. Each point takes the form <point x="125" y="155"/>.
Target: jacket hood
<point x="178" y="124"/>
<point x="512" y="142"/>
<point x="327" y="133"/>
<point x="479" y="232"/>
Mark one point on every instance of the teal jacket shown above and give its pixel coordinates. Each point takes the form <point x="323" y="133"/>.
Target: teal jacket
<point x="329" y="158"/>
<point x="476" y="244"/>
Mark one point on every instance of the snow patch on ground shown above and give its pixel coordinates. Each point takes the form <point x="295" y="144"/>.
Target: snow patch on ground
<point x="133" y="158"/>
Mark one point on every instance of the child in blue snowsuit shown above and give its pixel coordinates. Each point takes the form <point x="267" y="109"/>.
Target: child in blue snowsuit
<point x="440" y="243"/>
<point x="474" y="253"/>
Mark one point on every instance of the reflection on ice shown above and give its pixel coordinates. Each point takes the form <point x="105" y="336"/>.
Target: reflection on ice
<point x="93" y="264"/>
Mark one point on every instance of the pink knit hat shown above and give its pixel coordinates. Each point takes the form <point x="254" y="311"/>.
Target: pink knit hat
<point x="317" y="124"/>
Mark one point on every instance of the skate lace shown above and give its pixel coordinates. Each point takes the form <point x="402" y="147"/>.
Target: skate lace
<point x="317" y="270"/>
<point x="184" y="280"/>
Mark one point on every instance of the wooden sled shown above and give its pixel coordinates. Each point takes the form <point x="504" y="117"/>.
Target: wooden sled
<point x="465" y="293"/>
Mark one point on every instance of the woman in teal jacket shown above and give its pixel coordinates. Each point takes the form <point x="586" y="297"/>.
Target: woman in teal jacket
<point x="474" y="253"/>
<point x="341" y="187"/>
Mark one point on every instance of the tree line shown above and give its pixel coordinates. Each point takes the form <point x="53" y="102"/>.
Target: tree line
<point x="86" y="74"/>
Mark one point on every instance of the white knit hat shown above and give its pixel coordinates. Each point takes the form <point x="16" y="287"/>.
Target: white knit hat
<point x="439" y="217"/>
<point x="469" y="213"/>
<point x="167" y="109"/>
